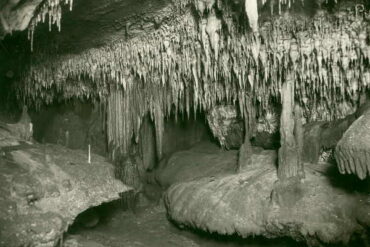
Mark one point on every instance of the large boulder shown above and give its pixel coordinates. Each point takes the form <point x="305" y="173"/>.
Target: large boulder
<point x="44" y="187"/>
<point x="315" y="210"/>
<point x="353" y="150"/>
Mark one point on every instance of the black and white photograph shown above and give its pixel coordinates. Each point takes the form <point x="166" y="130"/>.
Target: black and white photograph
<point x="184" y="123"/>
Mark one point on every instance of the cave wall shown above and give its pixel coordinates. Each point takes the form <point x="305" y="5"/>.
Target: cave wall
<point x="184" y="133"/>
<point x="179" y="134"/>
<point x="84" y="124"/>
<point x="74" y="125"/>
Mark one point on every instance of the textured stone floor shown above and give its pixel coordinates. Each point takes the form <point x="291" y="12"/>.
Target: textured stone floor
<point x="150" y="227"/>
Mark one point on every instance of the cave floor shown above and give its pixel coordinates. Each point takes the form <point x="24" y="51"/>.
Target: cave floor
<point x="150" y="227"/>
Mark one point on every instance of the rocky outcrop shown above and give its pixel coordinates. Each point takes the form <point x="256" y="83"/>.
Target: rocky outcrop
<point x="251" y="203"/>
<point x="323" y="135"/>
<point x="44" y="187"/>
<point x="226" y="126"/>
<point x="353" y="150"/>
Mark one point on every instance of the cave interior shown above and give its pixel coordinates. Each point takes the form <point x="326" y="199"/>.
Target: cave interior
<point x="184" y="123"/>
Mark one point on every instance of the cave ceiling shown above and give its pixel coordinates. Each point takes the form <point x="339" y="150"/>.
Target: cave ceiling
<point x="96" y="23"/>
<point x="90" y="24"/>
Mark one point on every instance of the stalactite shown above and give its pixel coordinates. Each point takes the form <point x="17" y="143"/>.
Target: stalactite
<point x="52" y="8"/>
<point x="190" y="66"/>
<point x="251" y="9"/>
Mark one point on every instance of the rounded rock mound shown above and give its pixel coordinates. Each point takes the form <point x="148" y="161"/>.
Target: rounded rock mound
<point x="318" y="209"/>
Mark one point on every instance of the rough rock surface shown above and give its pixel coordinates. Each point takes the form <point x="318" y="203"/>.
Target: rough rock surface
<point x="149" y="228"/>
<point x="16" y="15"/>
<point x="316" y="210"/>
<point x="44" y="187"/>
<point x="353" y="150"/>
<point x="266" y="140"/>
<point x="323" y="135"/>
<point x="226" y="126"/>
<point x="105" y="22"/>
<point x="74" y="125"/>
<point x="195" y="163"/>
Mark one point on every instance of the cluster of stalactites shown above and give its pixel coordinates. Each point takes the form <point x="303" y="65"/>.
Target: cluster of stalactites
<point x="125" y="112"/>
<point x="51" y="10"/>
<point x="329" y="59"/>
<point x="190" y="66"/>
<point x="251" y="8"/>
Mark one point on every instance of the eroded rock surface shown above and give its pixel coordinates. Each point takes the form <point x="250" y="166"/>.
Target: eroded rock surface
<point x="44" y="187"/>
<point x="226" y="126"/>
<point x="353" y="150"/>
<point x="319" y="136"/>
<point x="322" y="137"/>
<point x="316" y="210"/>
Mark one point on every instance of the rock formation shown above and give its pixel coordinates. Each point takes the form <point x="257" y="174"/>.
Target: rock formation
<point x="44" y="188"/>
<point x="156" y="59"/>
<point x="226" y="126"/>
<point x="353" y="150"/>
<point x="314" y="212"/>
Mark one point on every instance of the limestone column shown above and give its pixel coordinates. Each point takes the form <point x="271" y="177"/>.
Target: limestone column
<point x="291" y="134"/>
<point x="245" y="151"/>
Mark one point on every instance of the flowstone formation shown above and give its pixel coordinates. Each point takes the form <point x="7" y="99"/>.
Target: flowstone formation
<point x="352" y="153"/>
<point x="44" y="188"/>
<point x="314" y="212"/>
